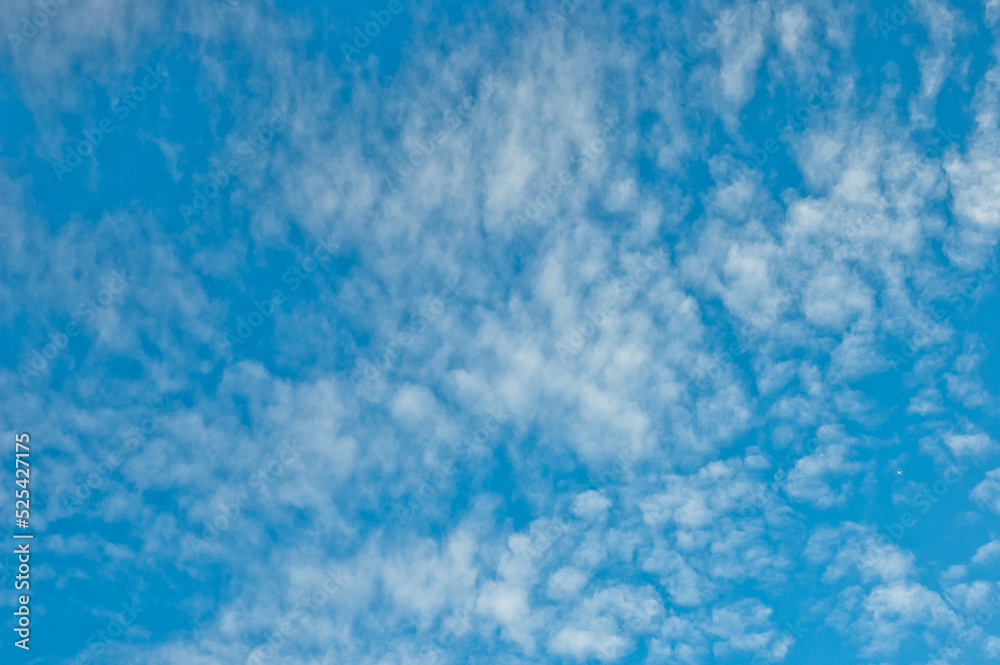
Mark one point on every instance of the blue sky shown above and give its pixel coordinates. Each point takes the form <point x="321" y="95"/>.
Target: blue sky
<point x="507" y="333"/>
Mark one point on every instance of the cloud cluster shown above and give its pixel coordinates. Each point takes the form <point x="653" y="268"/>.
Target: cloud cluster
<point x="568" y="378"/>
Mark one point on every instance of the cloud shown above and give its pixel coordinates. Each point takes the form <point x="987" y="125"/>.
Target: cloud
<point x="986" y="553"/>
<point x="987" y="492"/>
<point x="591" y="505"/>
<point x="577" y="383"/>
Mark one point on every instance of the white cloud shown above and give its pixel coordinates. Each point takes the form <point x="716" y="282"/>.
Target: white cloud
<point x="815" y="477"/>
<point x="978" y="445"/>
<point x="591" y="505"/>
<point x="987" y="553"/>
<point x="760" y="328"/>
<point x="987" y="492"/>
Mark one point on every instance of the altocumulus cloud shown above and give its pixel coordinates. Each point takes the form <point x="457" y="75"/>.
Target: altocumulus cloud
<point x="604" y="332"/>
